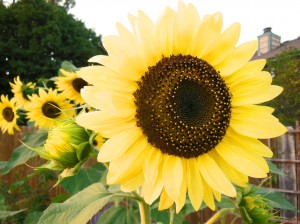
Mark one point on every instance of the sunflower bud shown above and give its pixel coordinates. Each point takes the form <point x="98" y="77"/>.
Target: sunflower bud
<point x="255" y="207"/>
<point x="67" y="148"/>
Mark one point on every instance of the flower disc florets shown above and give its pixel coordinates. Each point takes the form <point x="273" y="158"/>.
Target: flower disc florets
<point x="183" y="106"/>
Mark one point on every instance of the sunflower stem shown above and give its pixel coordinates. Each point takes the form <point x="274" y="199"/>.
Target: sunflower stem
<point x="172" y="213"/>
<point x="219" y="214"/>
<point x="144" y="212"/>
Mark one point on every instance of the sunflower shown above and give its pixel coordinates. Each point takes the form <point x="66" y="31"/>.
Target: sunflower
<point x="98" y="141"/>
<point x="45" y="108"/>
<point x="8" y="115"/>
<point x="70" y="84"/>
<point x="178" y="102"/>
<point x="21" y="91"/>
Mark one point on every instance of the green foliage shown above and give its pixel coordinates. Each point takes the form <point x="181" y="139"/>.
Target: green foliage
<point x="79" y="208"/>
<point x="84" y="178"/>
<point x="285" y="68"/>
<point x="37" y="36"/>
<point x="22" y="154"/>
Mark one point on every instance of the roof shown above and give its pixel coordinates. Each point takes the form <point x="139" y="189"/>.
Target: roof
<point x="283" y="47"/>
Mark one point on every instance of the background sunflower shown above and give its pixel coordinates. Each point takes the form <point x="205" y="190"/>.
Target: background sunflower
<point x="8" y="115"/>
<point x="46" y="107"/>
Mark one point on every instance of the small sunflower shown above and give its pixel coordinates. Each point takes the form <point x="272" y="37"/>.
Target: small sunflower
<point x="45" y="108"/>
<point x="98" y="141"/>
<point x="8" y="115"/>
<point x="21" y="91"/>
<point x="70" y="84"/>
<point x="178" y="102"/>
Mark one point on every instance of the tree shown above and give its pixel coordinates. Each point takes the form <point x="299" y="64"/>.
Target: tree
<point x="285" y="69"/>
<point x="36" y="36"/>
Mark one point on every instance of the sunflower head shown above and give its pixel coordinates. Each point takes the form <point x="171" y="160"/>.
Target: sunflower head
<point x="8" y="115"/>
<point x="46" y="108"/>
<point x="70" y="84"/>
<point x="98" y="141"/>
<point x="22" y="91"/>
<point x="178" y="102"/>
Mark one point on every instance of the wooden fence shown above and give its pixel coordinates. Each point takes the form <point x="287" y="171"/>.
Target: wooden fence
<point x="286" y="156"/>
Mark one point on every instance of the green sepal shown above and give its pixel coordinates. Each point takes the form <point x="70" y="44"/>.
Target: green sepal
<point x="245" y="216"/>
<point x="68" y="172"/>
<point x="83" y="150"/>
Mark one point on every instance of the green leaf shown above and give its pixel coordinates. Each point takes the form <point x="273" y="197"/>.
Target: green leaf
<point x="33" y="217"/>
<point x="2" y="164"/>
<point x="225" y="202"/>
<point x="79" y="208"/>
<point x="68" y="66"/>
<point x="5" y="214"/>
<point x="274" y="169"/>
<point x="277" y="200"/>
<point x="22" y="154"/>
<point x="119" y="215"/>
<point x="84" y="178"/>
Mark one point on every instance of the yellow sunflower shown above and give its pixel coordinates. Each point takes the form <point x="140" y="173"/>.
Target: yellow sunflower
<point x="47" y="107"/>
<point x="70" y="84"/>
<point x="21" y="90"/>
<point x="8" y="115"/>
<point x="98" y="141"/>
<point x="178" y="102"/>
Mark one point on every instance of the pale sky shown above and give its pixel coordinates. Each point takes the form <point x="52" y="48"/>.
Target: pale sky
<point x="253" y="15"/>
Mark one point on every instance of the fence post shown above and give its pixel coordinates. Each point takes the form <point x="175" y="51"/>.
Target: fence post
<point x="297" y="138"/>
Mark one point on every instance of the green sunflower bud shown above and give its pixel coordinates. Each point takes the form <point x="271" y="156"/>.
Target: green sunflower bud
<point x="66" y="148"/>
<point x="255" y="208"/>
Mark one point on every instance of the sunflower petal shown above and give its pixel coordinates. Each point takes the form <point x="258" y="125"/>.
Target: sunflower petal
<point x="256" y="122"/>
<point x="214" y="176"/>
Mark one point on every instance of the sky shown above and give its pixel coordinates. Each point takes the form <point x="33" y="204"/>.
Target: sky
<point x="253" y="15"/>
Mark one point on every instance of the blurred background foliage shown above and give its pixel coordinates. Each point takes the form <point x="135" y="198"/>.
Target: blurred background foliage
<point x="37" y="35"/>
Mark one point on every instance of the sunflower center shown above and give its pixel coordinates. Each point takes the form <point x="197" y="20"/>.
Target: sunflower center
<point x="78" y="84"/>
<point x="183" y="106"/>
<point x="51" y="109"/>
<point x="8" y="114"/>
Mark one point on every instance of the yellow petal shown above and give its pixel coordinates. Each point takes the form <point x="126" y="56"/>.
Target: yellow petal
<point x="118" y="144"/>
<point x="105" y="123"/>
<point x="133" y="183"/>
<point x="241" y="159"/>
<point x="214" y="176"/>
<point x="105" y="78"/>
<point x="195" y="186"/>
<point x="233" y="174"/>
<point x="184" y="32"/>
<point x="180" y="201"/>
<point x="256" y="122"/>
<point x="172" y="175"/>
<point x="151" y="191"/>
<point x="117" y="104"/>
<point x="165" y="201"/>
<point x="165" y="29"/>
<point x="207" y="35"/>
<point x="256" y="97"/>
<point x="208" y="197"/>
<point x="237" y="58"/>
<point x="247" y="70"/>
<point x="151" y="166"/>
<point x="224" y="45"/>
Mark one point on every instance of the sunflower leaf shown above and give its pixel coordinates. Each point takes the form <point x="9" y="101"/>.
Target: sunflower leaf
<point x="119" y="215"/>
<point x="22" y="154"/>
<point x="5" y="214"/>
<point x="78" y="209"/>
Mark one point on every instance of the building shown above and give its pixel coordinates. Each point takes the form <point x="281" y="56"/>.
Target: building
<point x="269" y="44"/>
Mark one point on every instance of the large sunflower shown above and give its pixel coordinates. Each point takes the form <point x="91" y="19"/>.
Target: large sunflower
<point x="21" y="91"/>
<point x="47" y="107"/>
<point x="8" y="115"/>
<point x="178" y="103"/>
<point x="70" y="84"/>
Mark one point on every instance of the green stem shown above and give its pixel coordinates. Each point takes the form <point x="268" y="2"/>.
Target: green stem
<point x="219" y="214"/>
<point x="144" y="212"/>
<point x="172" y="213"/>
